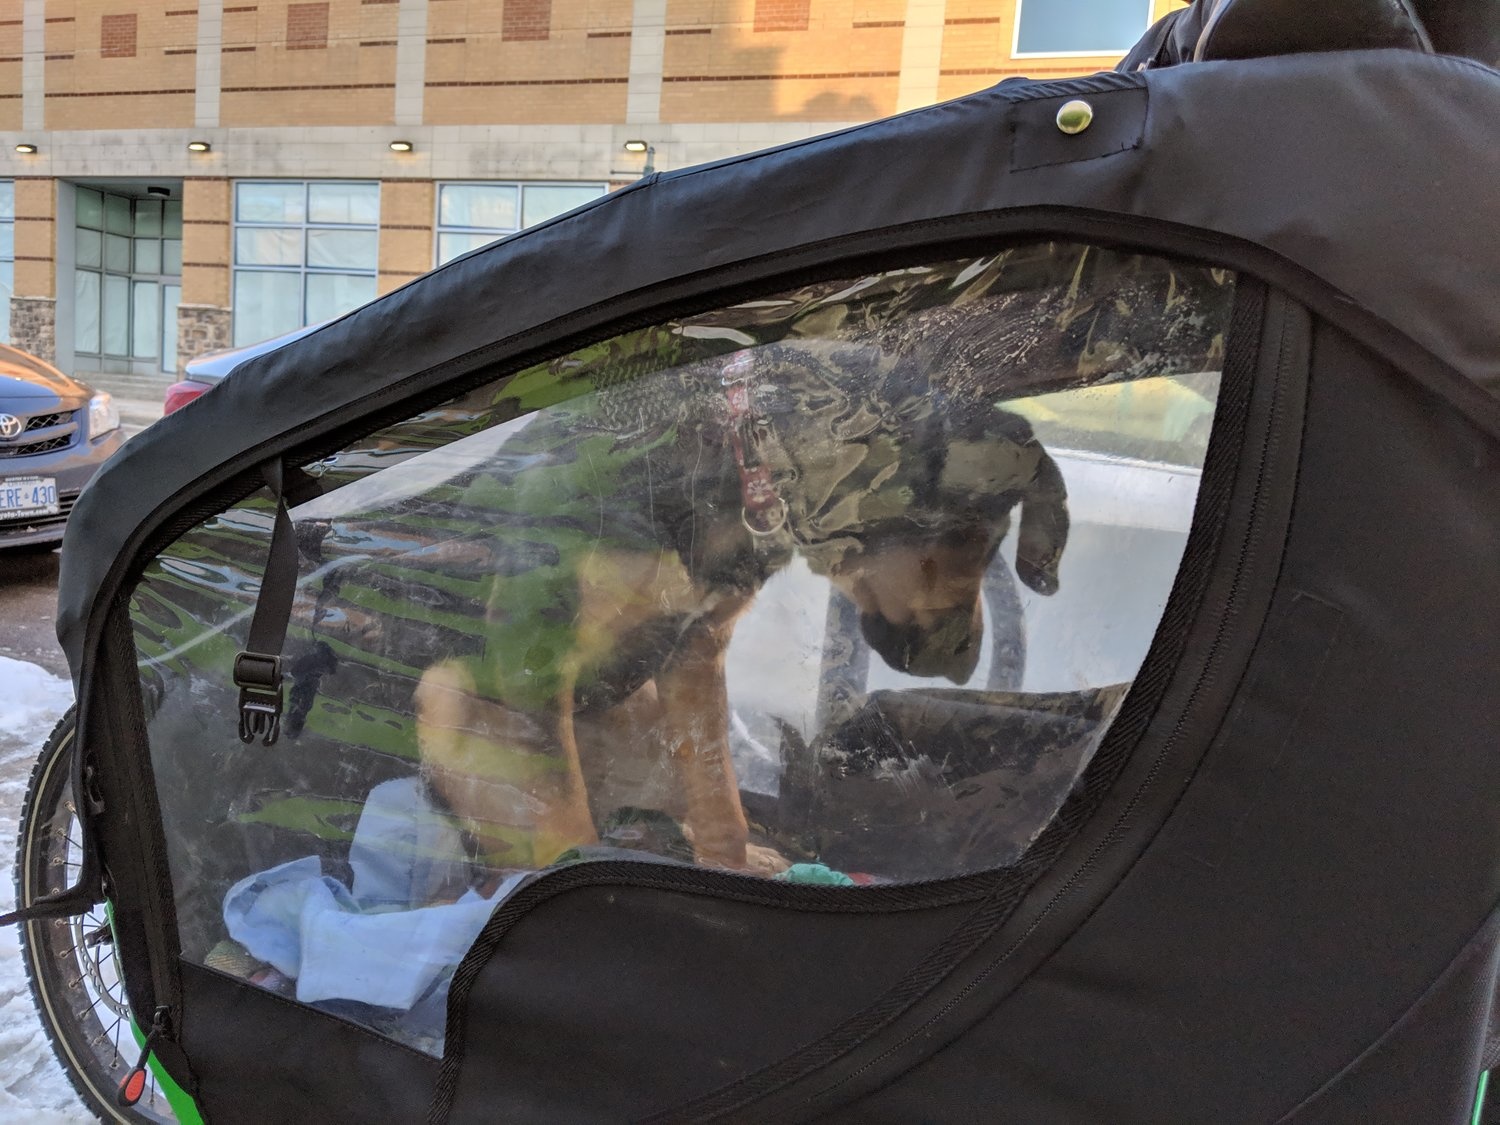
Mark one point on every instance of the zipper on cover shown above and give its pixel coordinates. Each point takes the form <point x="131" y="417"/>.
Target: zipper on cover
<point x="133" y="1085"/>
<point x="141" y="787"/>
<point x="1271" y="433"/>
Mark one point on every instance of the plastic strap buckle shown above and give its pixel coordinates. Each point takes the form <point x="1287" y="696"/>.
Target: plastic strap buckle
<point x="259" y="679"/>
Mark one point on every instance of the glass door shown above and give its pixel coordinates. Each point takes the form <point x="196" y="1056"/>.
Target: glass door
<point x="171" y="296"/>
<point x="127" y="281"/>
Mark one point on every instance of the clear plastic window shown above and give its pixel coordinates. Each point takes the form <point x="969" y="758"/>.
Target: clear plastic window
<point x="843" y="584"/>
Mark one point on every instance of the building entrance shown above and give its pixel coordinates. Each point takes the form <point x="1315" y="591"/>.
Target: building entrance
<point x="126" y="277"/>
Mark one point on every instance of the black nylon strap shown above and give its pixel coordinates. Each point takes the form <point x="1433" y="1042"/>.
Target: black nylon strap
<point x="257" y="673"/>
<point x="257" y="670"/>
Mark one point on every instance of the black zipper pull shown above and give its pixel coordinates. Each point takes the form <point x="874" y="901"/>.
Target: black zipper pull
<point x="134" y="1084"/>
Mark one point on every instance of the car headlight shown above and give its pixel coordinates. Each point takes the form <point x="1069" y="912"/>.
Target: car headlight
<point x="104" y="416"/>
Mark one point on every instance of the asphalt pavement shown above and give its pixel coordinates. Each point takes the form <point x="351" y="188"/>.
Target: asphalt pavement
<point x="28" y="604"/>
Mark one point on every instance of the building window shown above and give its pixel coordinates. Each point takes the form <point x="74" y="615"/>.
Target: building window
<point x="1079" y="27"/>
<point x="7" y="254"/>
<point x="474" y="215"/>
<point x="304" y="252"/>
<point x="127" y="277"/>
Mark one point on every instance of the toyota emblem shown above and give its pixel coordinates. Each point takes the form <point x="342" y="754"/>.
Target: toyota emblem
<point x="11" y="426"/>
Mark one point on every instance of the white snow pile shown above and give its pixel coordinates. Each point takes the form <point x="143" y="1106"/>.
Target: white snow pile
<point x="33" y="1088"/>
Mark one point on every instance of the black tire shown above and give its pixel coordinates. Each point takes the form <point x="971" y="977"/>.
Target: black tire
<point x="70" y="962"/>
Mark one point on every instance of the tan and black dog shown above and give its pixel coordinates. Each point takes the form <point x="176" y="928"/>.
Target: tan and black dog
<point x="633" y="527"/>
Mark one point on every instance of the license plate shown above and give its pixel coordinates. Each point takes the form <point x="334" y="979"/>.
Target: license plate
<point x="28" y="496"/>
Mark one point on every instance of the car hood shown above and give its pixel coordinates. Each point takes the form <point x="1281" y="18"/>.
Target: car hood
<point x="20" y="379"/>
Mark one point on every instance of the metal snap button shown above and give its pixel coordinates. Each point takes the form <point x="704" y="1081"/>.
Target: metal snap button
<point x="1075" y="116"/>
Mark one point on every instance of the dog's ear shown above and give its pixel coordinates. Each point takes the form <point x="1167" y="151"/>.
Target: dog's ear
<point x="994" y="457"/>
<point x="1044" y="526"/>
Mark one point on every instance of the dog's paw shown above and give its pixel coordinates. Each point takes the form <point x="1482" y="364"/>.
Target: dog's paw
<point x="764" y="861"/>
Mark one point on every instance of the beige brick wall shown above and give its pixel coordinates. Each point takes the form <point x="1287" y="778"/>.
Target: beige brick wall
<point x="733" y="60"/>
<point x="277" y="70"/>
<point x="96" y="70"/>
<point x="206" y="231"/>
<point x="10" y="63"/>
<point x="499" y="62"/>
<point x="36" y="236"/>
<point x="288" y="64"/>
<point x="406" y="203"/>
<point x="578" y="73"/>
<point x="977" y="37"/>
<point x="406" y="217"/>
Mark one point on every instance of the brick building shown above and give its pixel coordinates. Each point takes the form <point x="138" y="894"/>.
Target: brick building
<point x="180" y="175"/>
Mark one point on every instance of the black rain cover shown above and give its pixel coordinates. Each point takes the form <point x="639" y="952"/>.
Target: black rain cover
<point x="1271" y="902"/>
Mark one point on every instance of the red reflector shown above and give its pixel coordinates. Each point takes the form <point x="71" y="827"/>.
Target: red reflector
<point x="180" y="394"/>
<point x="133" y="1087"/>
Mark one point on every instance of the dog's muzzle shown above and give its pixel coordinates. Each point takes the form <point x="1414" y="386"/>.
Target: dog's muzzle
<point x="949" y="647"/>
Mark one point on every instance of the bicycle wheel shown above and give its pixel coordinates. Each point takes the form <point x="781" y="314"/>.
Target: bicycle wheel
<point x="70" y="962"/>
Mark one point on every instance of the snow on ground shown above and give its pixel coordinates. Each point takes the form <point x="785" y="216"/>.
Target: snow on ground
<point x="33" y="1088"/>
